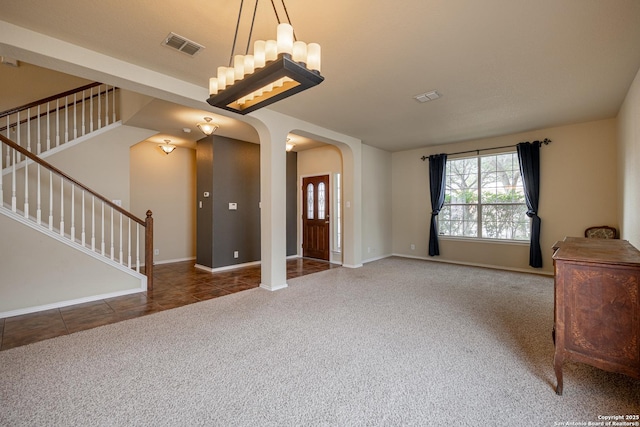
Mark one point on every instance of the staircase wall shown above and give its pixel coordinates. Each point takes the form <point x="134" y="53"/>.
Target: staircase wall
<point x="36" y="270"/>
<point x="61" y="276"/>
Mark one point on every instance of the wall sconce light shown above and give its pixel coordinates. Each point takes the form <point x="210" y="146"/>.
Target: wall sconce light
<point x="207" y="127"/>
<point x="167" y="147"/>
<point x="290" y="145"/>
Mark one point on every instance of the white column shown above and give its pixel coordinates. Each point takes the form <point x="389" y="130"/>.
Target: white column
<point x="273" y="223"/>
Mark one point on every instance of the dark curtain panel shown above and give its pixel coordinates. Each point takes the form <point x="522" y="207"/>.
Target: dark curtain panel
<point x="437" y="168"/>
<point x="529" y="157"/>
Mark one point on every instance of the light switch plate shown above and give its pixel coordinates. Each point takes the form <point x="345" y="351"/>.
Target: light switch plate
<point x="233" y="206"/>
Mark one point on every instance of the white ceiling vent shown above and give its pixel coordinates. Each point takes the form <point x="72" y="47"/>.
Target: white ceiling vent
<point x="429" y="96"/>
<point x="182" y="44"/>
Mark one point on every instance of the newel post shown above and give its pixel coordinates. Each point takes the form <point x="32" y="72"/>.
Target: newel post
<point x="148" y="250"/>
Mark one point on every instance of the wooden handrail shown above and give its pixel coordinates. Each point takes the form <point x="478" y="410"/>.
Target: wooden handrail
<point x="147" y="222"/>
<point x="49" y="166"/>
<point x="52" y="98"/>
<point x="48" y="99"/>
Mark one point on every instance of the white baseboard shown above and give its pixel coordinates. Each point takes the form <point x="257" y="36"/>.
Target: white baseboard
<point x="473" y="264"/>
<point x="274" y="288"/>
<point x="171" y="261"/>
<point x="352" y="265"/>
<point x="67" y="303"/>
<point x="365" y="261"/>
<point x="226" y="267"/>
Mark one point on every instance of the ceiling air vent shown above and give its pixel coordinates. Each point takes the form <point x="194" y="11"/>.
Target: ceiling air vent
<point x="182" y="44"/>
<point x="429" y="96"/>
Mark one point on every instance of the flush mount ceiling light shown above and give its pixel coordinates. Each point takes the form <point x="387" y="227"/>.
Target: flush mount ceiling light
<point x="207" y="127"/>
<point x="276" y="70"/>
<point x="428" y="96"/>
<point x="167" y="147"/>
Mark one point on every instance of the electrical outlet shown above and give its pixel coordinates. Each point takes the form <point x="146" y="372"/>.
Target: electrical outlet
<point x="235" y="254"/>
<point x="156" y="251"/>
<point x="413" y="247"/>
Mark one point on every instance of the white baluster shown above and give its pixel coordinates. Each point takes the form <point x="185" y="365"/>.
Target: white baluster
<point x="129" y="243"/>
<point x="112" y="247"/>
<point x="14" y="199"/>
<point x="66" y="119"/>
<point x="93" y="223"/>
<point x="106" y="106"/>
<point x="28" y="130"/>
<point x="38" y="200"/>
<point x="83" y="235"/>
<point x="26" y="188"/>
<point x="48" y="127"/>
<point x="91" y="110"/>
<point x="99" y="109"/>
<point x="102" y="243"/>
<point x="8" y="136"/>
<point x="18" y="135"/>
<point x="61" y="206"/>
<point x="121" y="257"/>
<point x="84" y="130"/>
<point x="50" y="200"/>
<point x="138" y="247"/>
<point x="75" y="117"/>
<point x="39" y="146"/>
<point x="57" y="122"/>
<point x="73" y="213"/>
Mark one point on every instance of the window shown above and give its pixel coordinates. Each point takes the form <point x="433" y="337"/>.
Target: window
<point x="310" y="201"/>
<point x="484" y="198"/>
<point x="321" y="200"/>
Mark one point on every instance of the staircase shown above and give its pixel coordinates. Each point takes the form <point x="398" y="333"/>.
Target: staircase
<point x="39" y="195"/>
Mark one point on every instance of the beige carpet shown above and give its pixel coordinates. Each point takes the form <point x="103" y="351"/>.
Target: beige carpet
<point x="397" y="342"/>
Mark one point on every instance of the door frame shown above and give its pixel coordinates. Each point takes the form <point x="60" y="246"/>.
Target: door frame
<point x="331" y="216"/>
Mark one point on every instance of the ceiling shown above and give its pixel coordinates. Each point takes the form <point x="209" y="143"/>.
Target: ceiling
<point x="502" y="66"/>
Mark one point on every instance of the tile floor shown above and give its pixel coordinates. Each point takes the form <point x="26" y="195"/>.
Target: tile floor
<point x="175" y="285"/>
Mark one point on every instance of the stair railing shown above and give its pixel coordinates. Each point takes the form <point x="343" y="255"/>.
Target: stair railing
<point x="74" y="210"/>
<point x="53" y="121"/>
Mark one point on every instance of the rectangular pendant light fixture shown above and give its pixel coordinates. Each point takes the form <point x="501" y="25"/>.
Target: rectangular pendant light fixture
<point x="275" y="81"/>
<point x="276" y="70"/>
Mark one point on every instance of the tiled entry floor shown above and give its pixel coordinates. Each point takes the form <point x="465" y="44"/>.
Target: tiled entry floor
<point x="174" y="285"/>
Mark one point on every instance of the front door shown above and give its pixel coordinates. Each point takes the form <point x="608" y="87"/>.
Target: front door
<point x="315" y="217"/>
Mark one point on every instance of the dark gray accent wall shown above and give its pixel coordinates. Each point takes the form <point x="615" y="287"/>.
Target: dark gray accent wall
<point x="236" y="177"/>
<point x="229" y="170"/>
<point x="204" y="208"/>
<point x="292" y="202"/>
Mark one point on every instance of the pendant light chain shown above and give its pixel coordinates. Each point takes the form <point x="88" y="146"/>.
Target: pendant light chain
<point x="284" y="6"/>
<point x="253" y="20"/>
<point x="235" y="36"/>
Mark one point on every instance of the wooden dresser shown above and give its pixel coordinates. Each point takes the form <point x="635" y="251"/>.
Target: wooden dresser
<point x="597" y="305"/>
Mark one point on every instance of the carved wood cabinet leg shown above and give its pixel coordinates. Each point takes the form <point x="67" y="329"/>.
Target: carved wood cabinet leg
<point x="557" y="364"/>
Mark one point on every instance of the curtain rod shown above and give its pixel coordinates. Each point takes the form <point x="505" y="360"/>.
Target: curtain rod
<point x="546" y="141"/>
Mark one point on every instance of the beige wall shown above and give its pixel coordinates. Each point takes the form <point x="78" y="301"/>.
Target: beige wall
<point x="578" y="188"/>
<point x="376" y="203"/>
<point x="28" y="83"/>
<point x="166" y="185"/>
<point x="26" y="284"/>
<point x="629" y="159"/>
<point x="102" y="162"/>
